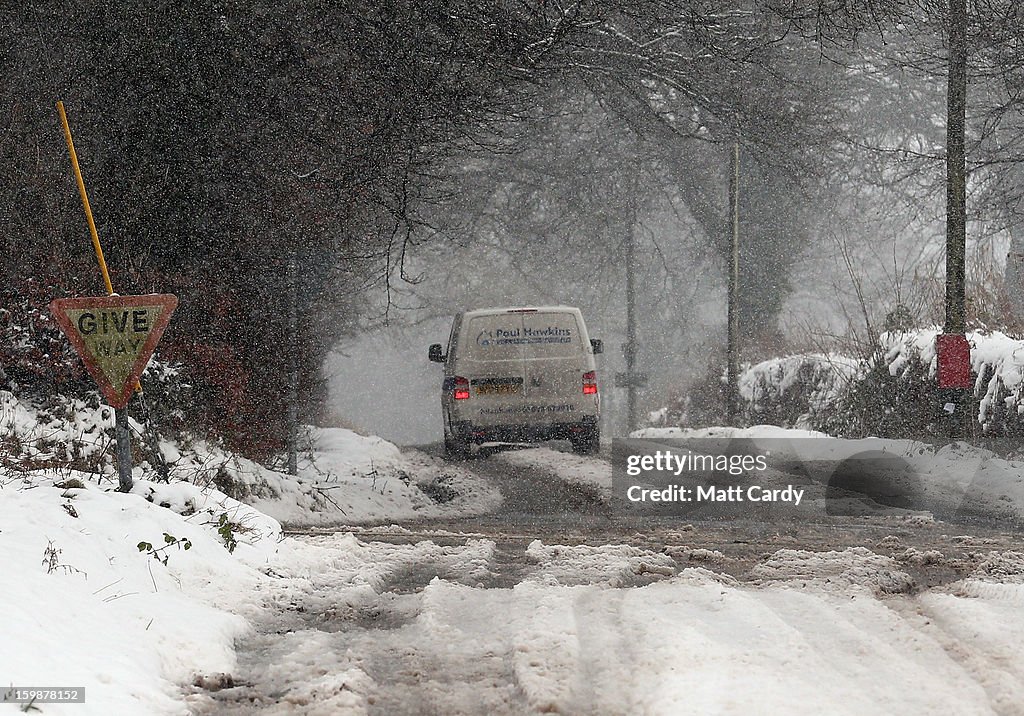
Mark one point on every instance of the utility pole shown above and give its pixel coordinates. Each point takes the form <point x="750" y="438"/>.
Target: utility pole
<point x="631" y="380"/>
<point x="956" y="169"/>
<point x="293" y="370"/>
<point x="952" y="347"/>
<point x="629" y="349"/>
<point x="732" y="358"/>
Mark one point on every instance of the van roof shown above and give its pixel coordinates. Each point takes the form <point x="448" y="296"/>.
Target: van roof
<point x="520" y="309"/>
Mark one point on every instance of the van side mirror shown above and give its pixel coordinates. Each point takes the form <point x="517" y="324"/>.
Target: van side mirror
<point x="435" y="355"/>
<point x="597" y="345"/>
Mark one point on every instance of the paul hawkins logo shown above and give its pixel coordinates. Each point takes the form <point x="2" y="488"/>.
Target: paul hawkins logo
<point x="523" y="336"/>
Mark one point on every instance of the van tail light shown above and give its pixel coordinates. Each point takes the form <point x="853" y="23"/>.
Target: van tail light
<point x="461" y="386"/>
<point x="590" y="383"/>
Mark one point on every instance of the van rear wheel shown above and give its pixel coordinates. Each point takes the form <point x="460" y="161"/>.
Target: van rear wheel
<point x="588" y="442"/>
<point x="455" y="449"/>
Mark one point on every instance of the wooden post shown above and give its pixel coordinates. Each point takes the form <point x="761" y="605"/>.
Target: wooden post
<point x="732" y="348"/>
<point x="956" y="201"/>
<point x="630" y="349"/>
<point x="956" y="169"/>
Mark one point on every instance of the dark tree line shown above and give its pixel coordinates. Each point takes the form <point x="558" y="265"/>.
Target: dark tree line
<point x="218" y="139"/>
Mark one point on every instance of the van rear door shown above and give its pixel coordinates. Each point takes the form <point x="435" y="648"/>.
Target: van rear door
<point x="553" y="360"/>
<point x="493" y="360"/>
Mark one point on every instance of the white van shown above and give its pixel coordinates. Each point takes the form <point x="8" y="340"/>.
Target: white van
<point x="519" y="375"/>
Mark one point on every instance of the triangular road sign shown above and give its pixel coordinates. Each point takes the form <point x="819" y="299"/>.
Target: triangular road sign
<point x="115" y="336"/>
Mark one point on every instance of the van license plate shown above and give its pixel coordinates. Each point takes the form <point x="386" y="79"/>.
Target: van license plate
<point x="499" y="389"/>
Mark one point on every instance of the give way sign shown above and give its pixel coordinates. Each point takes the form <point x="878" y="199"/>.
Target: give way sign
<point x="115" y="336"/>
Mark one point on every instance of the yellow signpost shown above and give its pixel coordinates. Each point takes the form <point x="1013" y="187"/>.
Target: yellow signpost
<point x="114" y="335"/>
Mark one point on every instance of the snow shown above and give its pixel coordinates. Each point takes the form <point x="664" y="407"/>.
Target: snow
<point x="754" y="431"/>
<point x="346" y="478"/>
<point x="128" y="628"/>
<point x="856" y="567"/>
<point x="979" y="620"/>
<point x="828" y="373"/>
<point x="996" y="359"/>
<point x="343" y="477"/>
<point x="39" y="435"/>
<point x="690" y="643"/>
<point x="586" y="629"/>
<point x="988" y="348"/>
<point x="339" y="624"/>
<point x="614" y="565"/>
<point x="586" y="471"/>
<point x="141" y="594"/>
<point x="801" y="389"/>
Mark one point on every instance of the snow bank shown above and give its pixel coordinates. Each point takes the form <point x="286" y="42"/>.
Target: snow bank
<point x="855" y="567"/>
<point x="346" y="478"/>
<point x="980" y="619"/>
<point x="129" y="624"/>
<point x="69" y="431"/>
<point x="133" y="596"/>
<point x="754" y="431"/>
<point x="343" y="477"/>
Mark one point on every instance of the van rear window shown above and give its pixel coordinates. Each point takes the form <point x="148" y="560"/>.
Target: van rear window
<point x="523" y="336"/>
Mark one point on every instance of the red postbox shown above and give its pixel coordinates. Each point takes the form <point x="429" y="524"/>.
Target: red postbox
<point x="954" y="360"/>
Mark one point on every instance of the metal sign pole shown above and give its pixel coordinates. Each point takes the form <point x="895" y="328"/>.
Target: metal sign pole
<point x="293" y="367"/>
<point x="124" y="450"/>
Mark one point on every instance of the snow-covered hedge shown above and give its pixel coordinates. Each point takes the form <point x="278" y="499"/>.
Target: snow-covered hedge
<point x="997" y="364"/>
<point x="343" y="477"/>
<point x="893" y="393"/>
<point x="796" y="390"/>
<point x="897" y="391"/>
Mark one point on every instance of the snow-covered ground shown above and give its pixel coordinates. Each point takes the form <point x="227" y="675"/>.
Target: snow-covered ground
<point x="583" y="470"/>
<point x="116" y="594"/>
<point x="180" y="598"/>
<point x="617" y="629"/>
<point x="427" y="628"/>
<point x="343" y="477"/>
<point x="132" y="596"/>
